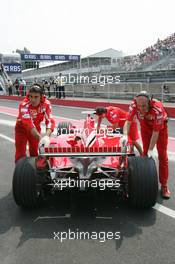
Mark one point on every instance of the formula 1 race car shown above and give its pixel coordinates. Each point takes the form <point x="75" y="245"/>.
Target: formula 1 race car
<point x="79" y="158"/>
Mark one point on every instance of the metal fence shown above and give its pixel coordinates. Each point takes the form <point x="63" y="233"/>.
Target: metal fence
<point x="123" y="91"/>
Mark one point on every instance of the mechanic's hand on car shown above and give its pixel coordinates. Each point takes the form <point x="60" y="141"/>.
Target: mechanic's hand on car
<point x="44" y="142"/>
<point x="150" y="154"/>
<point x="123" y="140"/>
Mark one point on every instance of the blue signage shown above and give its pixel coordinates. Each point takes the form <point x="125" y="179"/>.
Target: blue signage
<point x="49" y="57"/>
<point x="12" y="67"/>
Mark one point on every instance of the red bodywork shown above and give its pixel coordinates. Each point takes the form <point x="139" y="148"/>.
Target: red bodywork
<point x="87" y="142"/>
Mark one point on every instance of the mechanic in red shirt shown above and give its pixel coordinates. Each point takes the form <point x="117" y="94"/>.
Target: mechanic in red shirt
<point x="153" y="122"/>
<point x="32" y="111"/>
<point x="117" y="118"/>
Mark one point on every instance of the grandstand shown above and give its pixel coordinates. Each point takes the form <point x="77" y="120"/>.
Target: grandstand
<point x="151" y="68"/>
<point x="160" y="56"/>
<point x="155" y="57"/>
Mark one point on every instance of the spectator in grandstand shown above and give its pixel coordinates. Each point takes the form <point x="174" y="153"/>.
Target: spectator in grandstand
<point x="154" y="131"/>
<point x="32" y="111"/>
<point x="151" y="54"/>
<point x="117" y="117"/>
<point x="10" y="86"/>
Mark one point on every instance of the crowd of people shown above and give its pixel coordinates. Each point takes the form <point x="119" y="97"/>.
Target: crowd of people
<point x="151" y="54"/>
<point x="17" y="88"/>
<point x="52" y="87"/>
<point x="20" y="87"/>
<point x="55" y="86"/>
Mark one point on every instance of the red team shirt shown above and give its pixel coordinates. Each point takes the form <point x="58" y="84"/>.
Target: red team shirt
<point x="154" y="120"/>
<point x="117" y="115"/>
<point x="30" y="116"/>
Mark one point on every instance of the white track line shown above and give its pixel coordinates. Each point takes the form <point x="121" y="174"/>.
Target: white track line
<point x="73" y="107"/>
<point x="64" y="106"/>
<point x="172" y="138"/>
<point x="104" y="217"/>
<point x="165" y="210"/>
<point x="61" y="117"/>
<point x="66" y="118"/>
<point x="52" y="217"/>
<point x="7" y="122"/>
<point x="7" y="138"/>
<point x="4" y="113"/>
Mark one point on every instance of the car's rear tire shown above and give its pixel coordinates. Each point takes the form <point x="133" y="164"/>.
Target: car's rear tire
<point x="27" y="184"/>
<point x="142" y="182"/>
<point x="64" y="128"/>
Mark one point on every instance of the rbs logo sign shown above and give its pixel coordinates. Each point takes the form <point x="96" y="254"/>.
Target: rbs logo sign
<point x="12" y="67"/>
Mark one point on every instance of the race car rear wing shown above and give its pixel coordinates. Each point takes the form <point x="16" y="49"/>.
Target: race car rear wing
<point x="83" y="152"/>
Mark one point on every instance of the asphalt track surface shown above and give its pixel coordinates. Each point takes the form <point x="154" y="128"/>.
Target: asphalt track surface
<point x="27" y="236"/>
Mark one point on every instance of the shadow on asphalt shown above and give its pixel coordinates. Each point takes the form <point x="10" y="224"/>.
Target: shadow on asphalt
<point x="86" y="212"/>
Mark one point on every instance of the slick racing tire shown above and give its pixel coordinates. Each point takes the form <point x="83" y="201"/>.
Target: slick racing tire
<point x="142" y="182"/>
<point x="27" y="184"/>
<point x="64" y="128"/>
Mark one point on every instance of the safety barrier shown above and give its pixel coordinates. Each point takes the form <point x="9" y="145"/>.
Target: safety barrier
<point x="121" y="91"/>
<point x="89" y="103"/>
